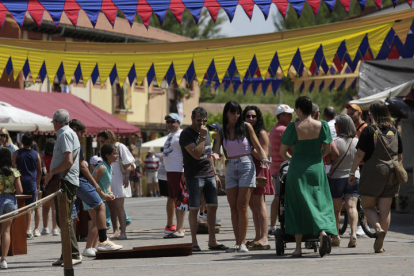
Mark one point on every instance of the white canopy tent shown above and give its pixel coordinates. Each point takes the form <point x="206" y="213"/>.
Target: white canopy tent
<point x="16" y="119"/>
<point x="400" y="90"/>
<point x="157" y="143"/>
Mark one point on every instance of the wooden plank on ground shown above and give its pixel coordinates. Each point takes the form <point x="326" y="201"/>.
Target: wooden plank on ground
<point x="170" y="250"/>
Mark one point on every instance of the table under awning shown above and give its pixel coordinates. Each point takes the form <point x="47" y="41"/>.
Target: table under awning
<point x="43" y="103"/>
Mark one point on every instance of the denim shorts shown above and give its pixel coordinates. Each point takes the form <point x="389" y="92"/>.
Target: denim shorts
<point x="88" y="194"/>
<point x="340" y="187"/>
<point x="197" y="187"/>
<point x="240" y="172"/>
<point x="28" y="201"/>
<point x="8" y="203"/>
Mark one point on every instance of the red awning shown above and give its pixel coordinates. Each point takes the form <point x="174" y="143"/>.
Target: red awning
<point x="42" y="103"/>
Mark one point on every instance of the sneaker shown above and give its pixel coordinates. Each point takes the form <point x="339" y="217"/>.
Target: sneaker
<point x="55" y="232"/>
<point x="360" y="232"/>
<point x="57" y="262"/>
<point x="89" y="252"/>
<point x="74" y="261"/>
<point x="36" y="233"/>
<point x="3" y="264"/>
<point x="202" y="218"/>
<point x="108" y="246"/>
<point x="272" y="231"/>
<point x="170" y="229"/>
<point x="29" y="236"/>
<point x="45" y="231"/>
<point x="243" y="248"/>
<point x="233" y="249"/>
<point x="352" y="241"/>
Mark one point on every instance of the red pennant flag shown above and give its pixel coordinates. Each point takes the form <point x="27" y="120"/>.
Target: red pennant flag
<point x="281" y="6"/>
<point x="338" y="63"/>
<point x="213" y="8"/>
<point x="177" y="8"/>
<point x="314" y="4"/>
<point x="144" y="11"/>
<point x="312" y="67"/>
<point x="247" y="6"/>
<point x="346" y="4"/>
<point x="368" y="56"/>
<point x="110" y="10"/>
<point x="3" y="11"/>
<point x="36" y="11"/>
<point x="72" y="9"/>
<point x="410" y="2"/>
<point x="378" y="3"/>
<point x="394" y="53"/>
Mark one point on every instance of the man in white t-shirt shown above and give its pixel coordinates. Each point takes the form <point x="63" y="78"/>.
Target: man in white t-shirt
<point x="329" y="116"/>
<point x="173" y="161"/>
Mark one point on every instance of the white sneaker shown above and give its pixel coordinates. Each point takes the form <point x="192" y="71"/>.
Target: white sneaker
<point x="271" y="232"/>
<point x="3" y="264"/>
<point x="45" y="231"/>
<point x="94" y="249"/>
<point x="55" y="232"/>
<point x="360" y="232"/>
<point x="74" y="262"/>
<point x="108" y="246"/>
<point x="36" y="233"/>
<point x="243" y="248"/>
<point x="202" y="218"/>
<point x="89" y="252"/>
<point x="233" y="249"/>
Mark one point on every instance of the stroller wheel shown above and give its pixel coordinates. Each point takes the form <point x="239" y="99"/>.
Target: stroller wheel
<point x="280" y="246"/>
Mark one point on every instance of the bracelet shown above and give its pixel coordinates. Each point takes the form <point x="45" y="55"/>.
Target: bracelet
<point x="265" y="160"/>
<point x="351" y="174"/>
<point x="204" y="137"/>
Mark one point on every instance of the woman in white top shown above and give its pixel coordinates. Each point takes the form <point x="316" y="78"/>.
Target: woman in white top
<point x="120" y="182"/>
<point x="342" y="156"/>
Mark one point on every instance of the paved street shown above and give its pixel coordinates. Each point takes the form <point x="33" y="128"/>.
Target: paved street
<point x="148" y="216"/>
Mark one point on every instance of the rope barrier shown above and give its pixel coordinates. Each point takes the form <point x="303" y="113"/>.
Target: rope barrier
<point x="24" y="210"/>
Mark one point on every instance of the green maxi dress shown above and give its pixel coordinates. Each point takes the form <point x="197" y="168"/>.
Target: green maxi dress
<point x="308" y="201"/>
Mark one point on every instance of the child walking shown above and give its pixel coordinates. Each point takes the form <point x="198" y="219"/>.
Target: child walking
<point x="9" y="186"/>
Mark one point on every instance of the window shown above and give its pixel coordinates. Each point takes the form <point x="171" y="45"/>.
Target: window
<point x="122" y="97"/>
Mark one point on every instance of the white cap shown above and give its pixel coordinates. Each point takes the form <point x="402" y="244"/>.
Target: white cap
<point x="151" y="150"/>
<point x="95" y="160"/>
<point x="284" y="108"/>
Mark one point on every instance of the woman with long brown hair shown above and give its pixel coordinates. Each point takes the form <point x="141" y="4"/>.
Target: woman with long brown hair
<point x="376" y="145"/>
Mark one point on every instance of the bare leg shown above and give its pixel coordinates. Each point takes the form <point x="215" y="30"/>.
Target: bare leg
<point x="254" y="208"/>
<point x="37" y="213"/>
<point x="180" y="220"/>
<point x="211" y="221"/>
<point x="274" y="210"/>
<point x="263" y="221"/>
<point x="232" y="195"/>
<point x="243" y="216"/>
<point x="100" y="214"/>
<point x="114" y="218"/>
<point x="298" y="249"/>
<point x="28" y="222"/>
<point x="203" y="205"/>
<point x="132" y="183"/>
<point x="368" y="204"/>
<point x="170" y="210"/>
<point x="192" y="219"/>
<point x="350" y="204"/>
<point x="384" y="206"/>
<point x="45" y="213"/>
<point x="54" y="222"/>
<point x="119" y="204"/>
<point x="5" y="238"/>
<point x="93" y="232"/>
<point x="337" y="204"/>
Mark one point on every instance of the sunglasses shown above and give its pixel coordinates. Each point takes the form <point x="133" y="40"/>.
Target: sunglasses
<point x="170" y="122"/>
<point x="3" y="135"/>
<point x="251" y="116"/>
<point x="201" y="120"/>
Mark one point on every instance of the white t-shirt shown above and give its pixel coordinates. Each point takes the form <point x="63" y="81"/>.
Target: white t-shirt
<point x="331" y="125"/>
<point x="173" y="157"/>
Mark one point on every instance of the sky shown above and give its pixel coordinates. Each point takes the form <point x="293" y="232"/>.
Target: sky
<point x="242" y="26"/>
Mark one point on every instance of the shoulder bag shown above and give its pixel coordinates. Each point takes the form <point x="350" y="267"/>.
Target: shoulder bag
<point x="56" y="182"/>
<point x="399" y="170"/>
<point x="331" y="173"/>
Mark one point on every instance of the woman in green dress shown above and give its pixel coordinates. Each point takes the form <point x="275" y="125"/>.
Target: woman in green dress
<point x="308" y="205"/>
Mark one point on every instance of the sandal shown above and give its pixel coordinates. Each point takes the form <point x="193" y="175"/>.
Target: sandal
<point x="379" y="241"/>
<point x="196" y="248"/>
<point x="258" y="246"/>
<point x="220" y="247"/>
<point x="324" y="247"/>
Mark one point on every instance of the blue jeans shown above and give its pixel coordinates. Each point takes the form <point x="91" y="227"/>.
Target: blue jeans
<point x="340" y="187"/>
<point x="197" y="187"/>
<point x="8" y="203"/>
<point x="240" y="172"/>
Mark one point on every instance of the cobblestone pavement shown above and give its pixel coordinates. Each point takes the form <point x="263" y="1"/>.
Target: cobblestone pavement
<point x="148" y="221"/>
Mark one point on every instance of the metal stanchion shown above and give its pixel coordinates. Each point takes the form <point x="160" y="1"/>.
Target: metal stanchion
<point x="65" y="234"/>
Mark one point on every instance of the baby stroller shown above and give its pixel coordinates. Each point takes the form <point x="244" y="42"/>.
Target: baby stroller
<point x="311" y="242"/>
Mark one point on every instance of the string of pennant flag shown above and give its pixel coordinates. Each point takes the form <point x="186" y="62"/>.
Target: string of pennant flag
<point x="237" y="66"/>
<point x="146" y="8"/>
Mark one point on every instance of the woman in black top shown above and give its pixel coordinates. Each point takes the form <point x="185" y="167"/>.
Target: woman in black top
<point x="378" y="183"/>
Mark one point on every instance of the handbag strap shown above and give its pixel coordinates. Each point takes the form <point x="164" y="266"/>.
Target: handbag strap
<point x="67" y="170"/>
<point x="343" y="157"/>
<point x="379" y="137"/>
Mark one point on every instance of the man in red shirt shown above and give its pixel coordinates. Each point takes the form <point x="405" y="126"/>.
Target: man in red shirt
<point x="284" y="117"/>
<point x="355" y="112"/>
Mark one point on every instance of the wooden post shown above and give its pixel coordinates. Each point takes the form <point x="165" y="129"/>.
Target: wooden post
<point x="65" y="234"/>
